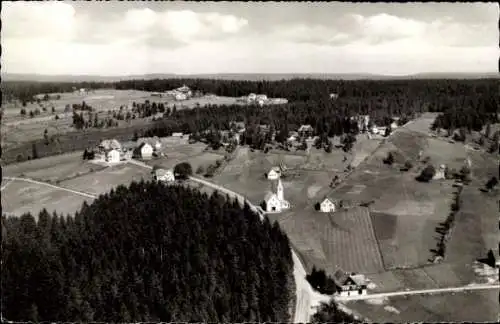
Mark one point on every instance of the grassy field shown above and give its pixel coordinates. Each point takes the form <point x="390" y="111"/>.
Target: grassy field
<point x="103" y="181"/>
<point x="21" y="197"/>
<point x="52" y="169"/>
<point x="343" y="239"/>
<point x="178" y="150"/>
<point x="476" y="227"/>
<point x="470" y="306"/>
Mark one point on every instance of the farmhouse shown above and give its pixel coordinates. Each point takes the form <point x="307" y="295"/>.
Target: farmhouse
<point x="440" y="172"/>
<point x="252" y="97"/>
<point x="113" y="156"/>
<point x="274" y="173"/>
<point x="154" y="142"/>
<point x="305" y="131"/>
<point x="144" y="151"/>
<point x="275" y="199"/>
<point x="327" y="205"/>
<point x="164" y="175"/>
<point x="107" y="145"/>
<point x="349" y="284"/>
<point x="237" y="126"/>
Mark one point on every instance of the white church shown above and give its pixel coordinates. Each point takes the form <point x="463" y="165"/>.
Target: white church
<point x="275" y="199"/>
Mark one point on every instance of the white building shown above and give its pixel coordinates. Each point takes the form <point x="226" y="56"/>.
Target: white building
<point x="334" y="96"/>
<point x="144" y="151"/>
<point x="275" y="199"/>
<point x="274" y="173"/>
<point x="349" y="284"/>
<point x="440" y="172"/>
<point x="113" y="156"/>
<point x="180" y="96"/>
<point x="112" y="144"/>
<point x="260" y="97"/>
<point x="327" y="205"/>
<point x="164" y="175"/>
<point x="374" y="130"/>
<point x="177" y="135"/>
<point x="252" y="97"/>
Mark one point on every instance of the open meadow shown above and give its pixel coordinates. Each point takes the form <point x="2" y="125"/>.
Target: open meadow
<point x="103" y="181"/>
<point x="177" y="150"/>
<point x="21" y="197"/>
<point x="469" y="306"/>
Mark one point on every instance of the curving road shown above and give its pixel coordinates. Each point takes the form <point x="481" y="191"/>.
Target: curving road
<point x="49" y="185"/>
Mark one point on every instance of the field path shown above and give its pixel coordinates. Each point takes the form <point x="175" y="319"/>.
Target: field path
<point x="420" y="292"/>
<point x="49" y="185"/>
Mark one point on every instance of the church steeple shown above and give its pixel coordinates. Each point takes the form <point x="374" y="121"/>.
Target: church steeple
<point x="279" y="190"/>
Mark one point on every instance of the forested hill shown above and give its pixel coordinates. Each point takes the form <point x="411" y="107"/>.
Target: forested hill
<point x="147" y="253"/>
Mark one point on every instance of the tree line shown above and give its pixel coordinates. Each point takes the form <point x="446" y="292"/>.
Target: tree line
<point x="147" y="253"/>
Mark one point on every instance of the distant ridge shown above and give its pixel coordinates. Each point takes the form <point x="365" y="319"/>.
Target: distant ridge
<point x="241" y="76"/>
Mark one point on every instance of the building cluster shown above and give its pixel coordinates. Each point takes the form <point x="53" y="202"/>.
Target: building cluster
<point x="112" y="151"/>
<point x="179" y="94"/>
<point x="261" y="100"/>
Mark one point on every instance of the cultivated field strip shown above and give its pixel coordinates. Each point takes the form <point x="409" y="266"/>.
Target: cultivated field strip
<point x="350" y="242"/>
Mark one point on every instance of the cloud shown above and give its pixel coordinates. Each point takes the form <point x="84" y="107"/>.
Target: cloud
<point x="383" y="28"/>
<point x="52" y="20"/>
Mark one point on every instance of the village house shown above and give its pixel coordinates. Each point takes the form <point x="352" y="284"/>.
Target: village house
<point x="274" y="173"/>
<point x="252" y="97"/>
<point x="107" y="145"/>
<point x="278" y="101"/>
<point x="374" y="130"/>
<point x="143" y="151"/>
<point x="305" y="131"/>
<point x="275" y="200"/>
<point x="113" y="156"/>
<point x="327" y="205"/>
<point x="349" y="284"/>
<point x="153" y="141"/>
<point x="334" y="96"/>
<point x="440" y="173"/>
<point x="164" y="175"/>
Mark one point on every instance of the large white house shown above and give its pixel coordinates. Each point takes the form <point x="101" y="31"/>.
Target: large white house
<point x="327" y="205"/>
<point x="274" y="173"/>
<point x="164" y="175"/>
<point x="144" y="151"/>
<point x="113" y="156"/>
<point x="349" y="284"/>
<point x="275" y="199"/>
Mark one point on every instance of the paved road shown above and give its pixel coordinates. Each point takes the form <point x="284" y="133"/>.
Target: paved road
<point x="51" y="185"/>
<point x="420" y="292"/>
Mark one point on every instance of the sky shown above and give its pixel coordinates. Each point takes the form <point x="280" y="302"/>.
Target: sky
<point x="127" y="38"/>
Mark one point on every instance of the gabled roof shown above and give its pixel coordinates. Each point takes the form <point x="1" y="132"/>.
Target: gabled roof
<point x="305" y="127"/>
<point x="268" y="196"/>
<point x="333" y="201"/>
<point x="358" y="279"/>
<point x="340" y="277"/>
<point x="274" y="185"/>
<point x="163" y="172"/>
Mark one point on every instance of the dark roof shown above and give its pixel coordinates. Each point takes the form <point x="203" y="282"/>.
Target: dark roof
<point x="274" y="186"/>
<point x="340" y="277"/>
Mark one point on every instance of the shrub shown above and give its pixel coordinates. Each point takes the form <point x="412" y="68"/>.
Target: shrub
<point x="427" y="174"/>
<point x="183" y="170"/>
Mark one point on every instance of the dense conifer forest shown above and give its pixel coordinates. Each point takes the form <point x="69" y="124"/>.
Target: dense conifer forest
<point x="147" y="253"/>
<point x="467" y="104"/>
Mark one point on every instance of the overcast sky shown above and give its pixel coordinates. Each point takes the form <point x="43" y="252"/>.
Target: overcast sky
<point x="121" y="38"/>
